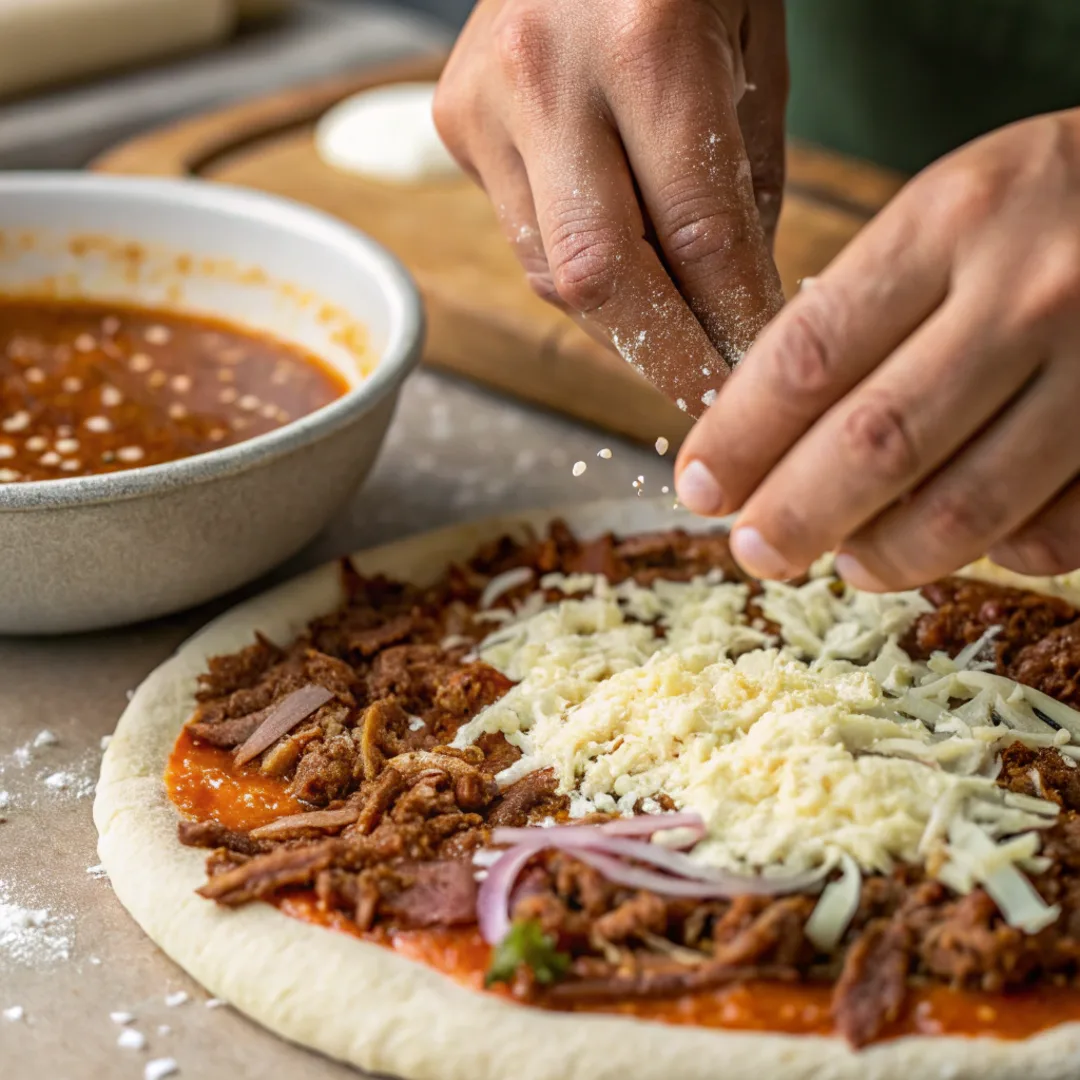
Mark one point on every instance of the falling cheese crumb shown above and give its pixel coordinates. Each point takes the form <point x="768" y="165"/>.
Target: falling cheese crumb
<point x="605" y="453"/>
<point x="662" y="446"/>
<point x="708" y="398"/>
<point x="130" y="1039"/>
<point x="579" y="468"/>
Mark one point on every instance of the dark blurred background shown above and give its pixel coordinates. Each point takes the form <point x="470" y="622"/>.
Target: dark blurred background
<point x="454" y="12"/>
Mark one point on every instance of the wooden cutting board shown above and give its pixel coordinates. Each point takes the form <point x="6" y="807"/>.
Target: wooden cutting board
<point x="484" y="323"/>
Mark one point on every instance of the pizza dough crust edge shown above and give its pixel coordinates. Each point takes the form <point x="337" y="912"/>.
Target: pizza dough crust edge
<point x="364" y="1004"/>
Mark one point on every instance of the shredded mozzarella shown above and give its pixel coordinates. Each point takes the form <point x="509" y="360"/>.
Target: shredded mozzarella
<point x="829" y="746"/>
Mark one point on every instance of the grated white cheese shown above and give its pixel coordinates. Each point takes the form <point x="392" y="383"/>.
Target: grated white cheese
<point x="833" y="747"/>
<point x="503" y="583"/>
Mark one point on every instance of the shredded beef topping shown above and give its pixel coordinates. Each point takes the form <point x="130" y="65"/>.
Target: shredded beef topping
<point x="396" y="816"/>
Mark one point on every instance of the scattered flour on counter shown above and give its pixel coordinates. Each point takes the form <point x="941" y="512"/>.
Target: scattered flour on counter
<point x="160" y="1068"/>
<point x="32" y="936"/>
<point x="130" y="1039"/>
<point x="77" y="781"/>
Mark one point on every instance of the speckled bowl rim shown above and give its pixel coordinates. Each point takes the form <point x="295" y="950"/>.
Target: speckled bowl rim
<point x="399" y="355"/>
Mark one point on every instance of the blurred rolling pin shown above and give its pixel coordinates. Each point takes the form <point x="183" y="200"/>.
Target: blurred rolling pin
<point x="51" y="41"/>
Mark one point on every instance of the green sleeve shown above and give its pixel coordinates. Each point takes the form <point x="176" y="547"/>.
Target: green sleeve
<point x="902" y="82"/>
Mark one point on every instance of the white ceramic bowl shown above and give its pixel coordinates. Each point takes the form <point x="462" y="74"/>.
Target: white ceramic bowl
<point x="97" y="551"/>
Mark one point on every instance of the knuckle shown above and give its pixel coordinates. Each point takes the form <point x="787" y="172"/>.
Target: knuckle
<point x="447" y="111"/>
<point x="583" y="277"/>
<point x="642" y="26"/>
<point x="696" y="229"/>
<point x="963" y="192"/>
<point x="876" y="436"/>
<point x="1052" y="289"/>
<point x="582" y="253"/>
<point x="803" y="358"/>
<point x="520" y="42"/>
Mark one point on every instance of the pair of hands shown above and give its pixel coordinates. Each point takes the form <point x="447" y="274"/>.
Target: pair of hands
<point x="916" y="407"/>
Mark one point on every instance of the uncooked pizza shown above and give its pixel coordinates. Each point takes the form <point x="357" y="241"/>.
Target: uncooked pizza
<point x="576" y="805"/>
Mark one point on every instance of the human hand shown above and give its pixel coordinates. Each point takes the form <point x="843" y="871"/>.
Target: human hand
<point x="919" y="405"/>
<point x="636" y="187"/>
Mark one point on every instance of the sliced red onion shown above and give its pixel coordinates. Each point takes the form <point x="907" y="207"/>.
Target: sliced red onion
<point x="578" y="838"/>
<point x="282" y="719"/>
<point x="677" y="874"/>
<point x="639" y="877"/>
<point x="648" y="824"/>
<point x="493" y="897"/>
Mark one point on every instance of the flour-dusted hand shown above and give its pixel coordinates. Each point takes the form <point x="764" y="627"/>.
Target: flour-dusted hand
<point x="634" y="152"/>
<point x="919" y="405"/>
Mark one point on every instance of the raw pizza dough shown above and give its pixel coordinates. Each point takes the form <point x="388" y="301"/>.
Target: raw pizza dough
<point x="364" y="1004"/>
<point x="386" y="134"/>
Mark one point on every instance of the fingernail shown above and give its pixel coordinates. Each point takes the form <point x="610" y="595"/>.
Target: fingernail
<point x="854" y="573"/>
<point x="698" y="489"/>
<point x="758" y="557"/>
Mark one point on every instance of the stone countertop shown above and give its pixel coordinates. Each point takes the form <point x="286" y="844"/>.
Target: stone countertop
<point x="454" y="452"/>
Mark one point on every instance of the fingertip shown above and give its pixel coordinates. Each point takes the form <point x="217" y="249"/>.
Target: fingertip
<point x="857" y="575"/>
<point x="758" y="557"/>
<point x="699" y="490"/>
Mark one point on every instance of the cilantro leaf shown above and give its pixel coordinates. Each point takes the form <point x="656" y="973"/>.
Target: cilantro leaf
<point x="526" y="943"/>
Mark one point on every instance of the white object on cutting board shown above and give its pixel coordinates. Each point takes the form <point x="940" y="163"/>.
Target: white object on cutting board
<point x="386" y="133"/>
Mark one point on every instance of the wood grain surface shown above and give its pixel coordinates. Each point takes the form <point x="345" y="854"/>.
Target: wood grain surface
<point x="484" y="323"/>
